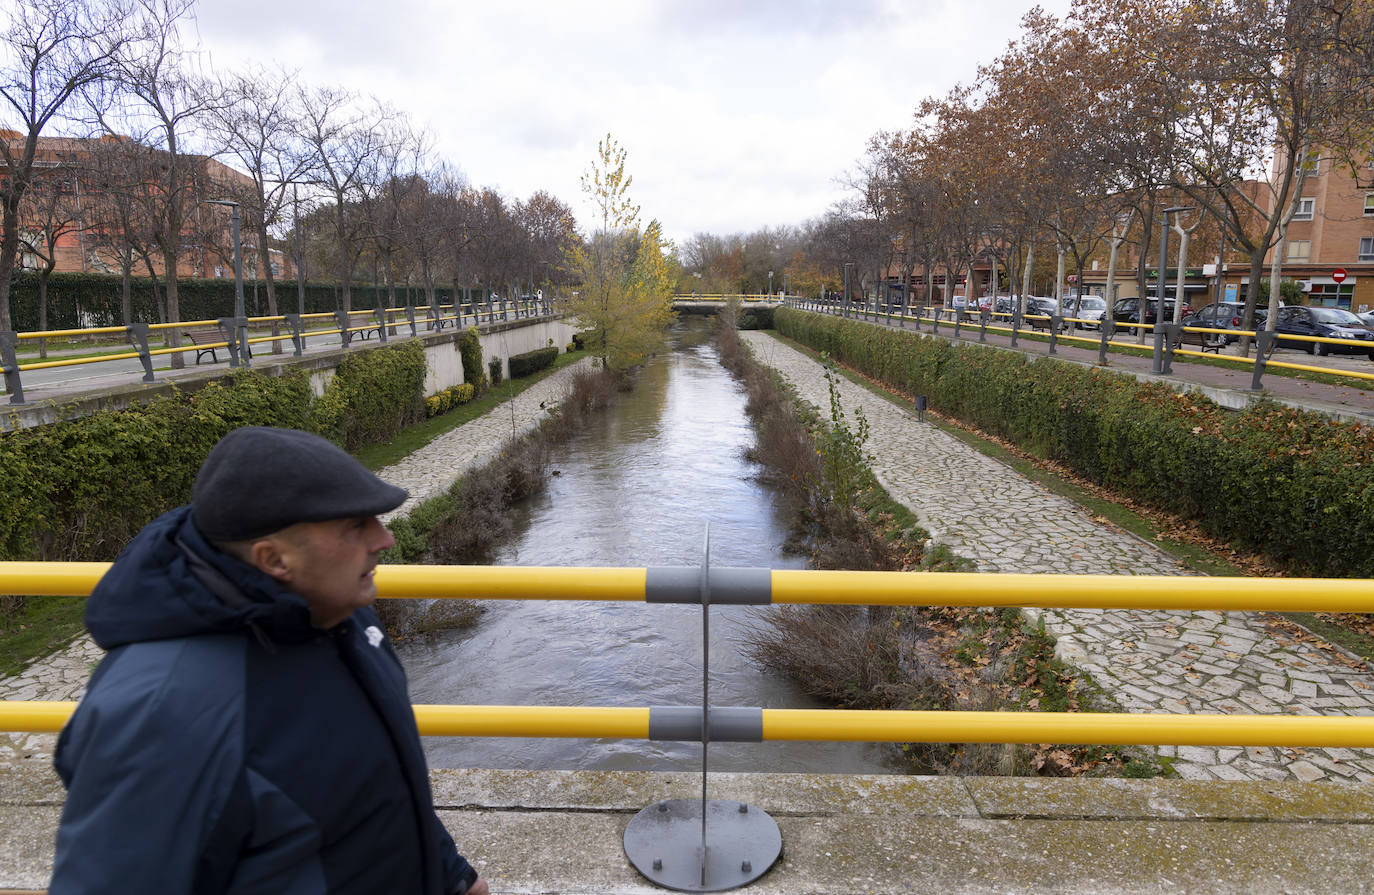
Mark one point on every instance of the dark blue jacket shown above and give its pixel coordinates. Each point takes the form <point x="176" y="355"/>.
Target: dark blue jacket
<point x="226" y="745"/>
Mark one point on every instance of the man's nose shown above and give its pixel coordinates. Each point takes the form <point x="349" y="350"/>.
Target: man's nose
<point x="381" y="537"/>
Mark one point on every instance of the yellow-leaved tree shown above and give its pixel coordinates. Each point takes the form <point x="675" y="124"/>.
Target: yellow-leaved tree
<point x="626" y="299"/>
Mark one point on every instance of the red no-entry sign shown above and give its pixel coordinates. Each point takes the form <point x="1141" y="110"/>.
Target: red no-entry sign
<point x="1338" y="275"/>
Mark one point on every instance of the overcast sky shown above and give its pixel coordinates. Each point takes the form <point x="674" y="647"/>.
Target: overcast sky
<point x="736" y="114"/>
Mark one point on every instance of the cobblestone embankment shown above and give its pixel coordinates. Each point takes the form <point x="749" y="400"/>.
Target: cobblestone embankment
<point x="1165" y="662"/>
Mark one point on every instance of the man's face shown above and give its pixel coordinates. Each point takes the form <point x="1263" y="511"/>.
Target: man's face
<point x="330" y="564"/>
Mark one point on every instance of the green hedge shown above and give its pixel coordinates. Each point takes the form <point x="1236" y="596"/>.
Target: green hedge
<point x="1288" y="483"/>
<point x="532" y="361"/>
<point x="93" y="299"/>
<point x="80" y="489"/>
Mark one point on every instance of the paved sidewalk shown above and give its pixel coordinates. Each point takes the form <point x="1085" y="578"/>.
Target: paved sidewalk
<point x="1168" y="662"/>
<point x="425" y="473"/>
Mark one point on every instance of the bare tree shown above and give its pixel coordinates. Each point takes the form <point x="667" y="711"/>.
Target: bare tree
<point x="345" y="143"/>
<point x="53" y="212"/>
<point x="160" y="102"/>
<point x="257" y="124"/>
<point x="52" y="49"/>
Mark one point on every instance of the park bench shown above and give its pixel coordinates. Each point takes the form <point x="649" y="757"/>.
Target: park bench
<point x="1204" y="341"/>
<point x="365" y="319"/>
<point x="212" y="338"/>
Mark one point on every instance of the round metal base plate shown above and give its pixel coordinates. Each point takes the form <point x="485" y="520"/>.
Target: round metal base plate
<point x="663" y="842"/>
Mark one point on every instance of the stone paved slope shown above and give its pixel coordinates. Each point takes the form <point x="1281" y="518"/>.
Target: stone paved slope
<point x="1199" y="662"/>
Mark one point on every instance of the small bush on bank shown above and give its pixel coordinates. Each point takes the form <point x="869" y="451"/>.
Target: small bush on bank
<point x="470" y="350"/>
<point x="756" y="318"/>
<point x="373" y="395"/>
<point x="449" y="398"/>
<point x="1288" y="483"/>
<point x="532" y="362"/>
<point x="494" y="370"/>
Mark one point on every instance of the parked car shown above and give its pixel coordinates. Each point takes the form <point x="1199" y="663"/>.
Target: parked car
<point x="1367" y="317"/>
<point x="1127" y="310"/>
<point x="1225" y="315"/>
<point x="1037" y="308"/>
<point x="1330" y="323"/>
<point x="1090" y="311"/>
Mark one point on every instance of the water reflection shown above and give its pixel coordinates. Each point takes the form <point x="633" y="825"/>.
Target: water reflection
<point x="636" y="491"/>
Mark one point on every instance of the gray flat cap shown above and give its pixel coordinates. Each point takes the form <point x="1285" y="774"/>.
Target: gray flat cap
<point x="259" y="480"/>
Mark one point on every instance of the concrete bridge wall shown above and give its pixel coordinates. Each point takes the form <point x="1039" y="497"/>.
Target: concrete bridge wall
<point x="562" y="832"/>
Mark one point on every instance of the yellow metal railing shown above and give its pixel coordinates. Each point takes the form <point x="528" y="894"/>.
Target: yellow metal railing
<point x="860" y="726"/>
<point x="790" y="586"/>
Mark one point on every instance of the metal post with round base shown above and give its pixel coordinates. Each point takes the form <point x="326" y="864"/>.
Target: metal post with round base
<point x="703" y="845"/>
<point x="663" y="842"/>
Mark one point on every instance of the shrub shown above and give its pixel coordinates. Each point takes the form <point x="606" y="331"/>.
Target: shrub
<point x="1290" y="483"/>
<point x="532" y="362"/>
<point x="373" y="395"/>
<point x="470" y="348"/>
<point x="494" y="369"/>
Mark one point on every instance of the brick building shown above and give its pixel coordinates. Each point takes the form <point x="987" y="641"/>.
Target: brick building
<point x="70" y="180"/>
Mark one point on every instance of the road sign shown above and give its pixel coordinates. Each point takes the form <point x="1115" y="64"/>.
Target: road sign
<point x="1338" y="275"/>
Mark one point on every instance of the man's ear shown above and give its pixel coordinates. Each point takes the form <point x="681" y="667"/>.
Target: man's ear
<point x="270" y="555"/>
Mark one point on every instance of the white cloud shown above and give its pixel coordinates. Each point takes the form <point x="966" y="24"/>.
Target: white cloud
<point x="735" y="115"/>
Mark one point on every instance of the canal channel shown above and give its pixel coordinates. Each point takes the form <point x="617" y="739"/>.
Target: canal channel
<point x="637" y="489"/>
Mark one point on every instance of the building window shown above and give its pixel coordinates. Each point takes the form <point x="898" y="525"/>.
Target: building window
<point x="1331" y="295"/>
<point x="1369" y="204"/>
<point x="1306" y="208"/>
<point x="1367" y="248"/>
<point x="1299" y="249"/>
<point x="1311" y="163"/>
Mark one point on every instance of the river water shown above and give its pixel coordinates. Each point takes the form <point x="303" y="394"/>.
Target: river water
<point x="637" y="489"/>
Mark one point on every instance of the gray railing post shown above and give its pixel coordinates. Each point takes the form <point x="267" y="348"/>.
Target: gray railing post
<point x="983" y="333"/>
<point x="1054" y="333"/>
<point x="1015" y="323"/>
<point x="1264" y="343"/>
<point x="1108" y="325"/>
<point x="382" y="319"/>
<point x="344" y="335"/>
<point x="958" y="320"/>
<point x="138" y="337"/>
<point x="297" y="332"/>
<point x="228" y="326"/>
<point x="1172" y="332"/>
<point x="9" y="363"/>
<point x="410" y="316"/>
<point x="935" y="319"/>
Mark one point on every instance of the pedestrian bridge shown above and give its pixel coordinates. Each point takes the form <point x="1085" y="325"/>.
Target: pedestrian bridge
<point x="712" y="301"/>
<point x="561" y="831"/>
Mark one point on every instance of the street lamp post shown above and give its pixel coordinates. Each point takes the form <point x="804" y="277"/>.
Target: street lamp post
<point x="770" y="284"/>
<point x="696" y="293"/>
<point x="240" y="321"/>
<point x="1157" y="361"/>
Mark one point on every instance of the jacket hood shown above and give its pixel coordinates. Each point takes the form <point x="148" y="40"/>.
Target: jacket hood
<point x="169" y="582"/>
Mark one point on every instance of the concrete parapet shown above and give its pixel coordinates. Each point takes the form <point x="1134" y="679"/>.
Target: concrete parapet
<point x="561" y="831"/>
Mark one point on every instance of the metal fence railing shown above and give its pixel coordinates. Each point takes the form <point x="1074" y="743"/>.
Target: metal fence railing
<point x="1062" y="329"/>
<point x="236" y="335"/>
<point x="758" y="587"/>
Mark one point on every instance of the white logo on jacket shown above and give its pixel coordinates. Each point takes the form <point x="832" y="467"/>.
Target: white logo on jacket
<point x="374" y="635"/>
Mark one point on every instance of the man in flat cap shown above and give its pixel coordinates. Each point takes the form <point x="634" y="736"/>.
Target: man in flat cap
<point x="249" y="729"/>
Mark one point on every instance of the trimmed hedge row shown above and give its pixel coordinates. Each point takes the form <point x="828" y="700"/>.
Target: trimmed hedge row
<point x="532" y="361"/>
<point x="80" y="489"/>
<point x="1288" y="483"/>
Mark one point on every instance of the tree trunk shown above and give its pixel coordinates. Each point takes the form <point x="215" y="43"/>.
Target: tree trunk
<point x="126" y="298"/>
<point x="43" y="309"/>
<point x="1183" y="236"/>
<point x="270" y="285"/>
<point x="9" y="251"/>
<point x="169" y="265"/>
